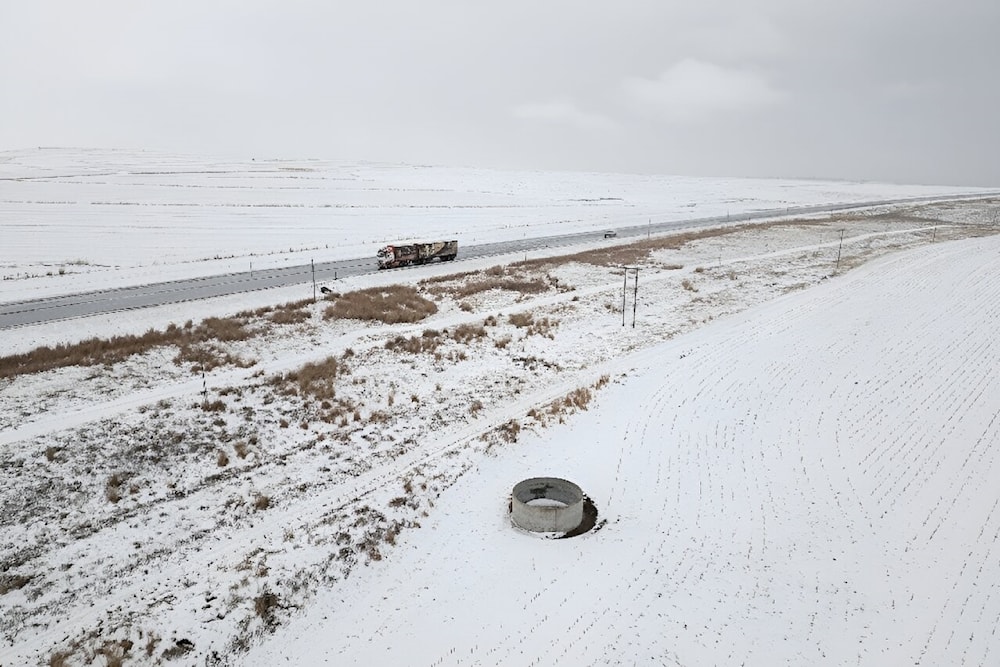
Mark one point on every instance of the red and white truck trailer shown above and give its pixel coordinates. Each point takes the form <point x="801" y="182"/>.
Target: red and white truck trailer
<point x="405" y="254"/>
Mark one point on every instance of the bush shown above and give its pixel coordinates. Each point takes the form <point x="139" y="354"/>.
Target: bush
<point x="394" y="304"/>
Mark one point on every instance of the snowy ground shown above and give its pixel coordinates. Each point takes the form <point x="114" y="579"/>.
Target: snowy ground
<point x="75" y="220"/>
<point x="792" y="464"/>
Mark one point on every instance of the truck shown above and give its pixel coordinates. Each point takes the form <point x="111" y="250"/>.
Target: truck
<point x="405" y="254"/>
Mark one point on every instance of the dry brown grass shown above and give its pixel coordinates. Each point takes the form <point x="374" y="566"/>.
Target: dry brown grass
<point x="206" y="356"/>
<point x="12" y="582"/>
<point x="426" y="343"/>
<point x="290" y="316"/>
<point x="639" y="252"/>
<point x="466" y="333"/>
<point x="264" y="606"/>
<point x="112" y="488"/>
<point x="510" y="430"/>
<point x="543" y="327"/>
<point x="194" y="343"/>
<point x="60" y="658"/>
<point x="317" y="379"/>
<point x="464" y="285"/>
<point x="521" y="320"/>
<point x="432" y="339"/>
<point x="261" y="502"/>
<point x="115" y="652"/>
<point x="578" y="398"/>
<point x="392" y="304"/>
<point x="217" y="405"/>
<point x="378" y="417"/>
<point x="533" y="327"/>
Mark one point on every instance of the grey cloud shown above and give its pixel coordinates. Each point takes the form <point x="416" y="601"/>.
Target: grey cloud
<point x="894" y="90"/>
<point x="696" y="91"/>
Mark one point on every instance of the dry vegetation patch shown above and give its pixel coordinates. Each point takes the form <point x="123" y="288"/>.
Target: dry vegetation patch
<point x="512" y="278"/>
<point x="12" y="582"/>
<point x="432" y="339"/>
<point x="197" y="345"/>
<point x="316" y="379"/>
<point x="392" y="304"/>
<point x="639" y="252"/>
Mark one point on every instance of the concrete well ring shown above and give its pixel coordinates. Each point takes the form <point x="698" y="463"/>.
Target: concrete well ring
<point x="547" y="505"/>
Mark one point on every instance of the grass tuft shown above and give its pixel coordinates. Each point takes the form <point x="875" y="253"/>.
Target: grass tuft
<point x="393" y="304"/>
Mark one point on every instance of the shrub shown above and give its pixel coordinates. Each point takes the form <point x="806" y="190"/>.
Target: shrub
<point x="393" y="304"/>
<point x="60" y="658"/>
<point x="510" y="430"/>
<point x="465" y="333"/>
<point x="520" y="320"/>
<point x="112" y="488"/>
<point x="317" y="379"/>
<point x="12" y="582"/>
<point x="115" y="652"/>
<point x="217" y="405"/>
<point x="578" y="398"/>
<point x="290" y="316"/>
<point x="427" y="343"/>
<point x="264" y="606"/>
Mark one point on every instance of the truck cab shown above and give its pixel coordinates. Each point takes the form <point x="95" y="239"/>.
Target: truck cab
<point x="385" y="257"/>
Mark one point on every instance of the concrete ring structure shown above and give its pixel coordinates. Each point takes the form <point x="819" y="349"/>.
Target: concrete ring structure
<point x="547" y="505"/>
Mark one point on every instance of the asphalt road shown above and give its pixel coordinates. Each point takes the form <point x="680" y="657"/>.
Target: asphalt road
<point x="37" y="311"/>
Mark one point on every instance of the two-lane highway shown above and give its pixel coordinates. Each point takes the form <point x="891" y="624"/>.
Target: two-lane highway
<point x="37" y="311"/>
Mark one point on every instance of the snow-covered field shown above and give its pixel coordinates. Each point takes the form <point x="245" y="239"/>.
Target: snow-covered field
<point x="792" y="464"/>
<point x="74" y="220"/>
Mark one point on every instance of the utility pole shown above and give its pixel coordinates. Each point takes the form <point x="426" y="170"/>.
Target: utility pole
<point x="839" y="249"/>
<point x="934" y="238"/>
<point x="635" y="292"/>
<point x="312" y="265"/>
<point x="635" y="296"/>
<point x="624" y="292"/>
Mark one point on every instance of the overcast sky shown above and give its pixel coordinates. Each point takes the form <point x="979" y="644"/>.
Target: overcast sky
<point x="906" y="91"/>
